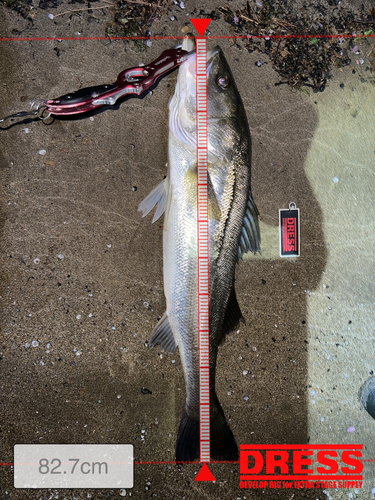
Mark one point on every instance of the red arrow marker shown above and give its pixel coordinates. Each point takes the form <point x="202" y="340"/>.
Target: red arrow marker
<point x="205" y="474"/>
<point x="201" y="25"/>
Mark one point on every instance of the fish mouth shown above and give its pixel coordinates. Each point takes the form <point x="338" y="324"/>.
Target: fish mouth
<point x="189" y="45"/>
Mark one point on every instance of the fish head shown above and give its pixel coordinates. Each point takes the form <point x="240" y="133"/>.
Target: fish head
<point x="222" y="95"/>
<point x="225" y="113"/>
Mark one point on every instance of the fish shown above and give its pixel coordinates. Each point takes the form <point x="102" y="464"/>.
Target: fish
<point x="233" y="231"/>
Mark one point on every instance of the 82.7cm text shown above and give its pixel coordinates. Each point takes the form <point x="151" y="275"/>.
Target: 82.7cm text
<point x="53" y="466"/>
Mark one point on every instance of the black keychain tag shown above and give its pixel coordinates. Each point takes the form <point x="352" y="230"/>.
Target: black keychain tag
<point x="289" y="224"/>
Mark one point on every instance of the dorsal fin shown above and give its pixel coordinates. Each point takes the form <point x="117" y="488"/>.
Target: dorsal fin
<point x="232" y="317"/>
<point x="250" y="234"/>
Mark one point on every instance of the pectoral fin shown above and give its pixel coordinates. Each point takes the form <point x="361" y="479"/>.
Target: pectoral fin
<point x="159" y="196"/>
<point x="214" y="211"/>
<point x="250" y="234"/>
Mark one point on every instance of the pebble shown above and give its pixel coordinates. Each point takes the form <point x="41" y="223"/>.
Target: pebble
<point x="42" y="152"/>
<point x="26" y="130"/>
<point x="78" y="316"/>
<point x="35" y="343"/>
<point x="313" y="392"/>
<point x="182" y="5"/>
<point x="245" y="372"/>
<point x="246" y="398"/>
<point x="118" y="396"/>
<point x="172" y="18"/>
<point x="60" y="256"/>
<point x="50" y="16"/>
<point x="122" y="492"/>
<point x="351" y="429"/>
<point x="335" y="180"/>
<point x="148" y="43"/>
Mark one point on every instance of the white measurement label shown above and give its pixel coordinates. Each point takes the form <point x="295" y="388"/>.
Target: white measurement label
<point x="73" y="466"/>
<point x="203" y="253"/>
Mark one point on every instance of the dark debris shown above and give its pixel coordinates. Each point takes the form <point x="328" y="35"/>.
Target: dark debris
<point x="300" y="61"/>
<point x="135" y="20"/>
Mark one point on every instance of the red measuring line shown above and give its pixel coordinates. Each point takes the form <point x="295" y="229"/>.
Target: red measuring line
<point x="203" y="252"/>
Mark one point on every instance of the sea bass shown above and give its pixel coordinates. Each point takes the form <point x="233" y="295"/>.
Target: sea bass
<point x="233" y="230"/>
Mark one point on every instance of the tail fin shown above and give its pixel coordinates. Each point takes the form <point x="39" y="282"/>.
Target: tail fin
<point x="187" y="445"/>
<point x="223" y="444"/>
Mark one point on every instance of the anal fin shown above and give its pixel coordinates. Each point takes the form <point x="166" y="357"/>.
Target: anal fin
<point x="162" y="335"/>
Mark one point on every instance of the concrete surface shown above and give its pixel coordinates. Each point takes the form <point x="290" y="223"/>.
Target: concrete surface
<point x="92" y="311"/>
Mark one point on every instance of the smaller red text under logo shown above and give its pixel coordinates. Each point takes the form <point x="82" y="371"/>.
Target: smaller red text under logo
<point x="301" y="466"/>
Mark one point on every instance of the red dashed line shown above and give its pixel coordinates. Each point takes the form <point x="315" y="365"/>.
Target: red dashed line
<point x="249" y="37"/>
<point x="192" y="462"/>
<point x="173" y="462"/>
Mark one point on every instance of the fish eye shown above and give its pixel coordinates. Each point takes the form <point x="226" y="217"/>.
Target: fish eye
<point x="223" y="81"/>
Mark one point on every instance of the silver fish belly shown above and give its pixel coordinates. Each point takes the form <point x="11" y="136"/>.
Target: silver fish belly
<point x="233" y="230"/>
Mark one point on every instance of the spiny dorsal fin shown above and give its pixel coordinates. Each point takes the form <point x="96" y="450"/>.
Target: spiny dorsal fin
<point x="232" y="317"/>
<point x="162" y="335"/>
<point x="159" y="196"/>
<point x="250" y="234"/>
